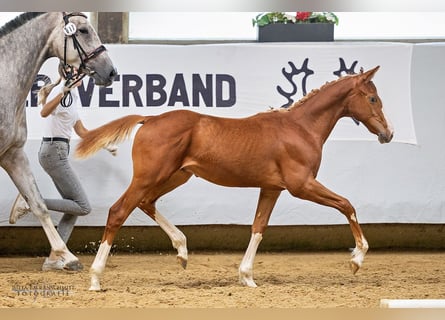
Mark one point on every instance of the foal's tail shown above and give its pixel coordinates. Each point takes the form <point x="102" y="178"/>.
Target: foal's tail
<point x="113" y="132"/>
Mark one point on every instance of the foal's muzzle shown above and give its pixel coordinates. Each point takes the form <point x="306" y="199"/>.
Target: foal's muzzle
<point x="385" y="138"/>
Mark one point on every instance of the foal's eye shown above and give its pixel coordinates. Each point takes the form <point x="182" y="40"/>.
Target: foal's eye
<point x="83" y="31"/>
<point x="372" y="99"/>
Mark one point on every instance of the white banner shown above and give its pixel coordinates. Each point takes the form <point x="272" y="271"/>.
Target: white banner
<point x="239" y="80"/>
<point x="230" y="80"/>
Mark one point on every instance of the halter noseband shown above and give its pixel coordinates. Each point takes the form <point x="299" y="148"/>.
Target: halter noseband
<point x="70" y="30"/>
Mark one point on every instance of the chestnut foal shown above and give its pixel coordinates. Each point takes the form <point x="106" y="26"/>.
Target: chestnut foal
<point x="273" y="151"/>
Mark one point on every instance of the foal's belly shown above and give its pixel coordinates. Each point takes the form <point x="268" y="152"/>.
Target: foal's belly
<point x="235" y="175"/>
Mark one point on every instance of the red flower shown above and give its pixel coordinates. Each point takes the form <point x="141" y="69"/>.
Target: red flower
<point x="303" y="15"/>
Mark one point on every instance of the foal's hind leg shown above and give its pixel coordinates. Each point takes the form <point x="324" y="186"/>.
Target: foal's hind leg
<point x="137" y="195"/>
<point x="117" y="215"/>
<point x="266" y="202"/>
<point x="177" y="238"/>
<point x="316" y="192"/>
<point x="16" y="164"/>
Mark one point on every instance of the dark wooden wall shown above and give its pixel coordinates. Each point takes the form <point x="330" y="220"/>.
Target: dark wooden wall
<point x="112" y="27"/>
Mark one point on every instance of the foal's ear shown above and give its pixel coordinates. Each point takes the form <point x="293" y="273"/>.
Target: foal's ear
<point x="368" y="75"/>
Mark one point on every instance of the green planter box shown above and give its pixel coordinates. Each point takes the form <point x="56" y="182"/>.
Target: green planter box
<point x="288" y="32"/>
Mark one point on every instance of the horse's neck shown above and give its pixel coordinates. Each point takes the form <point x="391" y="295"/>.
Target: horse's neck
<point x="25" y="50"/>
<point x="322" y="111"/>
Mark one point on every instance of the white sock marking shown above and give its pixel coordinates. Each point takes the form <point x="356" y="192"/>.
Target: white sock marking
<point x="177" y="238"/>
<point x="246" y="266"/>
<point x="98" y="265"/>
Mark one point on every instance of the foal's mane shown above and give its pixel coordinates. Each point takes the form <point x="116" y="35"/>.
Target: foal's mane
<point x="18" y="22"/>
<point x="313" y="92"/>
<point x="316" y="91"/>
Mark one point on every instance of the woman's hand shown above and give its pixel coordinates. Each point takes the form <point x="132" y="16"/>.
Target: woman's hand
<point x="112" y="148"/>
<point x="68" y="86"/>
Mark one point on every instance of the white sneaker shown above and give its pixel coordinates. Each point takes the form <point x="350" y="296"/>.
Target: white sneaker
<point x="19" y="209"/>
<point x="49" y="265"/>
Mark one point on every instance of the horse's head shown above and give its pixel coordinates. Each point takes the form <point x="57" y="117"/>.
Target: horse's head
<point x="77" y="44"/>
<point x="365" y="106"/>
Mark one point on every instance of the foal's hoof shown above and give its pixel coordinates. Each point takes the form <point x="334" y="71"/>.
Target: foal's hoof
<point x="247" y="281"/>
<point x="354" y="266"/>
<point x="95" y="282"/>
<point x="182" y="261"/>
<point x="73" y="266"/>
<point x="95" y="289"/>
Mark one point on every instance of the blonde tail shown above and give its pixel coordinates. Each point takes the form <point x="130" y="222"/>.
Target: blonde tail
<point x="113" y="132"/>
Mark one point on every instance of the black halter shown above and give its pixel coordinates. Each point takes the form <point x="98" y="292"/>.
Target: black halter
<point x="69" y="73"/>
<point x="70" y="31"/>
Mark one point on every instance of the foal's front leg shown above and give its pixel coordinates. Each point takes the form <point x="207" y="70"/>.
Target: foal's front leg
<point x="316" y="192"/>
<point x="266" y="202"/>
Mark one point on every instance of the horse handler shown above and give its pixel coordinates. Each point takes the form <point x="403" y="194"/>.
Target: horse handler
<point x="61" y="117"/>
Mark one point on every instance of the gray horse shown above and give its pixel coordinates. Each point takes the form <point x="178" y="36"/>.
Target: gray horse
<point x="25" y="44"/>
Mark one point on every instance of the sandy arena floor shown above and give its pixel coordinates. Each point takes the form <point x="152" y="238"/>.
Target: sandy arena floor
<point x="285" y="280"/>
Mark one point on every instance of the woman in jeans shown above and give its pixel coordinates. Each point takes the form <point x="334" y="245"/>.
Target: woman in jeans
<point x="60" y="113"/>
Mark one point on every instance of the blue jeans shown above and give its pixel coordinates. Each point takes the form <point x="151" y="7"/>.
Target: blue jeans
<point x="53" y="157"/>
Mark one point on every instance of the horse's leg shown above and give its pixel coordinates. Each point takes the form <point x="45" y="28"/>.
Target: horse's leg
<point x="316" y="192"/>
<point x="16" y="164"/>
<point x="176" y="236"/>
<point x="266" y="202"/>
<point x="178" y="239"/>
<point x="117" y="215"/>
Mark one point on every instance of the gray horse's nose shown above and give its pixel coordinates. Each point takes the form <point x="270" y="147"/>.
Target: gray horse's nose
<point x="113" y="73"/>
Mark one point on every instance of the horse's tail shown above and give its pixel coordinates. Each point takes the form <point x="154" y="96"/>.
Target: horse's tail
<point x="110" y="133"/>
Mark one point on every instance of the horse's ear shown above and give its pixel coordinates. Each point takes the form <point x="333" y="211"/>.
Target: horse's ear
<point x="368" y="75"/>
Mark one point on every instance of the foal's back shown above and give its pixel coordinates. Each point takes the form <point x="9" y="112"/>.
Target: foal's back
<point x="225" y="151"/>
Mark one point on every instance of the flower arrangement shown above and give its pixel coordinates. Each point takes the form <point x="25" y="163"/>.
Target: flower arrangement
<point x="300" y="17"/>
